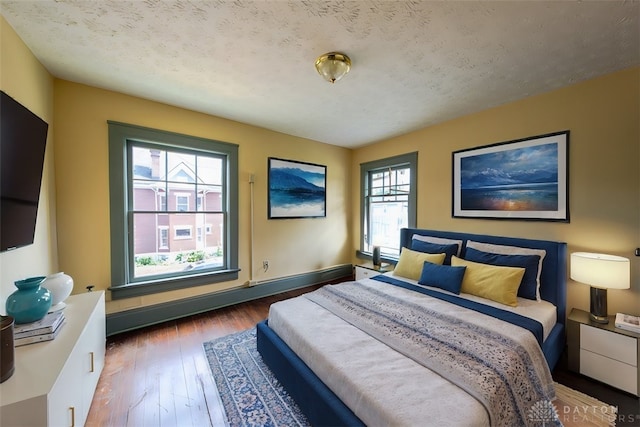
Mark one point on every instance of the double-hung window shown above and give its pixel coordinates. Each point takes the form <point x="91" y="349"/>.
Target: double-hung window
<point x="165" y="188"/>
<point x="388" y="189"/>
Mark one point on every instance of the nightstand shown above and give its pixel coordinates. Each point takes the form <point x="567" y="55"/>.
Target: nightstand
<point x="603" y="352"/>
<point x="370" y="270"/>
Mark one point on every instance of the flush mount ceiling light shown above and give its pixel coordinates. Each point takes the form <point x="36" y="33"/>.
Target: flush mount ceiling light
<point x="333" y="66"/>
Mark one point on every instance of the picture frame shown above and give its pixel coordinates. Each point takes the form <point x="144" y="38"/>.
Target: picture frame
<point x="296" y="189"/>
<point x="524" y="179"/>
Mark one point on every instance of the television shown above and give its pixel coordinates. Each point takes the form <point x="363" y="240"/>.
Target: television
<point x="23" y="138"/>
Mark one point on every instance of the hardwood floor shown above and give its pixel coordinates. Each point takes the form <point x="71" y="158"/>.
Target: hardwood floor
<point x="159" y="376"/>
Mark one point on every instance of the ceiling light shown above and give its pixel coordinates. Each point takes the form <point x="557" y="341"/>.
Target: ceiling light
<point x="333" y="66"/>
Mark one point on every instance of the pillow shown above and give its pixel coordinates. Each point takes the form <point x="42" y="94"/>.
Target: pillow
<point x="411" y="262"/>
<point x="435" y="248"/>
<point x="512" y="250"/>
<point x="442" y="276"/>
<point x="492" y="282"/>
<point x="529" y="285"/>
<point x="439" y="241"/>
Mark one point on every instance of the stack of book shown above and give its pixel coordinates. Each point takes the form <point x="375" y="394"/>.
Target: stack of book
<point x="44" y="329"/>
<point x="628" y="322"/>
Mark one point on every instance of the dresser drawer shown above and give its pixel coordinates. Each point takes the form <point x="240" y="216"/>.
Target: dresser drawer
<point x="609" y="371"/>
<point x="611" y="345"/>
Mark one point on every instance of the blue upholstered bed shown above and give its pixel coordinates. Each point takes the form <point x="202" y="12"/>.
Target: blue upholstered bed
<point x="321" y="404"/>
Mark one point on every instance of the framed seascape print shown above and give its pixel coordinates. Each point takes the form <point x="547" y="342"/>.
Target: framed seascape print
<point x="523" y="179"/>
<point x="296" y="189"/>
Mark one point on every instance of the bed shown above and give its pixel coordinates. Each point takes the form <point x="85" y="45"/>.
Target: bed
<point x="348" y="367"/>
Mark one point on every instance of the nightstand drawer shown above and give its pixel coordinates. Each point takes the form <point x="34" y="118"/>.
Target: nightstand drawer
<point x="362" y="273"/>
<point x="609" y="371"/>
<point x="365" y="271"/>
<point x="608" y="344"/>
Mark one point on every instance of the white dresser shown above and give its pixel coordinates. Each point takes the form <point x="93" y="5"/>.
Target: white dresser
<point x="603" y="352"/>
<point x="54" y="381"/>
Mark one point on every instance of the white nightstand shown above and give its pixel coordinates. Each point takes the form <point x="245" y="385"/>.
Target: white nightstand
<point x="603" y="352"/>
<point x="369" y="270"/>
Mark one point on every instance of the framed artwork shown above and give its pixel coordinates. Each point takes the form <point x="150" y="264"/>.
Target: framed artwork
<point x="296" y="189"/>
<point x="525" y="179"/>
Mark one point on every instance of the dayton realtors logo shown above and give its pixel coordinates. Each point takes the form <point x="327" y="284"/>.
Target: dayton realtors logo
<point x="543" y="412"/>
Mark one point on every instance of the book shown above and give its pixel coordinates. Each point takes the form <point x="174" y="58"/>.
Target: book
<point x="39" y="338"/>
<point x="46" y="325"/>
<point x="628" y="322"/>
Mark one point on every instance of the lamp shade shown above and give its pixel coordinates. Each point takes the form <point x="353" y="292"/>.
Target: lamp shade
<point x="600" y="270"/>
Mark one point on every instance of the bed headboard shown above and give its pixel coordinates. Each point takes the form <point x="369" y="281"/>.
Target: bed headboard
<point x="553" y="278"/>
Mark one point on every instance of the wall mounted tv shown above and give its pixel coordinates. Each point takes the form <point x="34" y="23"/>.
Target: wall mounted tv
<point x="23" y="137"/>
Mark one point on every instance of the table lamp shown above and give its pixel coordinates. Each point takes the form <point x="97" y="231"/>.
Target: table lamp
<point x="601" y="272"/>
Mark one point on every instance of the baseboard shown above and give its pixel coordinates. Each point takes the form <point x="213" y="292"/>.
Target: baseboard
<point x="145" y="316"/>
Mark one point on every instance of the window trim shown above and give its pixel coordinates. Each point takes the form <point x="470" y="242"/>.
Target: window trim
<point x="409" y="159"/>
<point x="163" y="229"/>
<point x="178" y="197"/>
<point x="188" y="228"/>
<point x="119" y="134"/>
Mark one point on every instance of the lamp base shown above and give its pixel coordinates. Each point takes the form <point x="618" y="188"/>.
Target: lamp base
<point x="598" y="305"/>
<point x="598" y="319"/>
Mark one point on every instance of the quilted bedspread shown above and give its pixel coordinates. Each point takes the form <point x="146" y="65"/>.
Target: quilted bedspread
<point x="508" y="375"/>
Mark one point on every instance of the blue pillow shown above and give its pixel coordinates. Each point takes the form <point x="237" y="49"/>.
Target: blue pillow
<point x="529" y="285"/>
<point x="442" y="276"/>
<point x="435" y="248"/>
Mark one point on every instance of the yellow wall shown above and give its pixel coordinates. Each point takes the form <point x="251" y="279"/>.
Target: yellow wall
<point x="24" y="79"/>
<point x="72" y="233"/>
<point x="603" y="116"/>
<point x="292" y="246"/>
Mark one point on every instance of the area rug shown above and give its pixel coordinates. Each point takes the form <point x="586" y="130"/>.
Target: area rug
<point x="252" y="396"/>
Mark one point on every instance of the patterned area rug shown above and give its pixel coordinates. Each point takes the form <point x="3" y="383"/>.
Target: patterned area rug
<point x="251" y="395"/>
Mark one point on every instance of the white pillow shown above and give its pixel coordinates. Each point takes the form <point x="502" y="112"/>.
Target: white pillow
<point x="439" y="241"/>
<point x="511" y="250"/>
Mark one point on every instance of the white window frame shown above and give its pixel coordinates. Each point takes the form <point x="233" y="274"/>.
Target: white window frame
<point x="188" y="201"/>
<point x="163" y="236"/>
<point x="177" y="228"/>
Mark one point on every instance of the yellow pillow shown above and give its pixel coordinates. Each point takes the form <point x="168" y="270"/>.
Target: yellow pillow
<point x="411" y="262"/>
<point x="492" y="282"/>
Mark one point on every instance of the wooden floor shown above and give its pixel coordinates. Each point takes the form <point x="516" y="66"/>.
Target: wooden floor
<point x="159" y="376"/>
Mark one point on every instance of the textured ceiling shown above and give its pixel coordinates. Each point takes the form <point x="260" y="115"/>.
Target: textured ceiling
<point x="414" y="63"/>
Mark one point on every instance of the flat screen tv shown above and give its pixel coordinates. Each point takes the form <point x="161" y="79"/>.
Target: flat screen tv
<point x="23" y="137"/>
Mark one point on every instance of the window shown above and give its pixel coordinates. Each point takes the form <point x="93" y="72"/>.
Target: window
<point x="182" y="202"/>
<point x="182" y="232"/>
<point x="388" y="189"/>
<point x="164" y="187"/>
<point x="163" y="236"/>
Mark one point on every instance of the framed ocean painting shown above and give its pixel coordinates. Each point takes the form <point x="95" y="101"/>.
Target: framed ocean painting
<point x="296" y="189"/>
<point x="524" y="179"/>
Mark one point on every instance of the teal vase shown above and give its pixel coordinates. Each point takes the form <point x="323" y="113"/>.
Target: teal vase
<point x="30" y="302"/>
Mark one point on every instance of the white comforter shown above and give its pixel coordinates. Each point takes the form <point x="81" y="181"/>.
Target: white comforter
<point x="381" y="386"/>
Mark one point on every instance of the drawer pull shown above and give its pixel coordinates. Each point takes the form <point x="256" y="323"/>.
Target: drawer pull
<point x="73" y="416"/>
<point x="92" y="367"/>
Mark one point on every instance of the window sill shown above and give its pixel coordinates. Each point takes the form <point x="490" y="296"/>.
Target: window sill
<point x="136" y="289"/>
